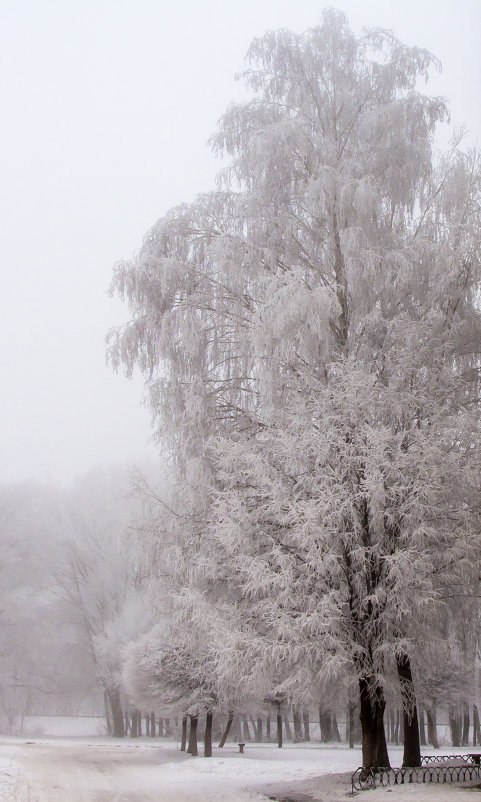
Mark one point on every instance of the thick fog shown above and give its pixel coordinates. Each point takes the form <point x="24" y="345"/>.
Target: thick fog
<point x="106" y="111"/>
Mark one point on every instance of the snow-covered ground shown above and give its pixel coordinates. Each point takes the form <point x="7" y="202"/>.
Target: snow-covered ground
<point x="104" y="770"/>
<point x="13" y="783"/>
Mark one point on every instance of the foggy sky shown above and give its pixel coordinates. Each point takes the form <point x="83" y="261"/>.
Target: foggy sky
<point x="106" y="109"/>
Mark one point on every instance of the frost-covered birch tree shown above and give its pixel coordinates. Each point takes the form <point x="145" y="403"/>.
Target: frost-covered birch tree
<point x="309" y="334"/>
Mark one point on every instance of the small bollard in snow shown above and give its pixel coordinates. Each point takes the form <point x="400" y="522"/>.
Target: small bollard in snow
<point x="241" y="748"/>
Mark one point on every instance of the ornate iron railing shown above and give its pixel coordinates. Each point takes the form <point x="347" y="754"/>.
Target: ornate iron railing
<point x="466" y="768"/>
<point x="470" y="758"/>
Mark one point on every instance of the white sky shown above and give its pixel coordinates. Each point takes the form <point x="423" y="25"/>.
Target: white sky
<point x="106" y="109"/>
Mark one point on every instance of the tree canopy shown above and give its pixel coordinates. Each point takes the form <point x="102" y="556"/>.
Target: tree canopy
<point x="310" y="337"/>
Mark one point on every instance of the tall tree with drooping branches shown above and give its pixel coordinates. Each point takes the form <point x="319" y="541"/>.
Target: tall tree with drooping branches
<point x="309" y="334"/>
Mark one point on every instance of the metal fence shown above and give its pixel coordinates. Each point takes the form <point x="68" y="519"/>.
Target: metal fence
<point x="456" y="768"/>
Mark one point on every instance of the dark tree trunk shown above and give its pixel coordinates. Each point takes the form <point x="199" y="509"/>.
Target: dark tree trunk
<point x="166" y="726"/>
<point x="253" y="724"/>
<point x="245" y="729"/>
<point x="230" y="719"/>
<point x="287" y="728"/>
<point x="390" y="725"/>
<point x="161" y="726"/>
<point x="208" y="734"/>
<point x="127" y="724"/>
<point x="183" y="742"/>
<point x="325" y="724"/>
<point x="432" y="728"/>
<point x="192" y="747"/>
<point x="372" y="705"/>
<point x="350" y="735"/>
<point x="236" y="734"/>
<point x="296" y="717"/>
<point x="335" y="734"/>
<point x="476" y="727"/>
<point x="108" y="713"/>
<point x="268" y="727"/>
<point x="412" y="747"/>
<point x="455" y="726"/>
<point x="139" y="722"/>
<point x="357" y="729"/>
<point x="152" y="725"/>
<point x="397" y="727"/>
<point x="147" y="724"/>
<point x="305" y="722"/>
<point x="465" y="740"/>
<point x="422" y="727"/>
<point x="279" y="725"/>
<point x="117" y="713"/>
<point x="259" y="729"/>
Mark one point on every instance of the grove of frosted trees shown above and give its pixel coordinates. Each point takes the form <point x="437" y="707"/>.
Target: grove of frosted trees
<point x="310" y="337"/>
<point x="309" y="333"/>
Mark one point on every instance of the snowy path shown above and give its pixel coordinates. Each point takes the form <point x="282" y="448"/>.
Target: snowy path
<point x="71" y="770"/>
<point x="81" y="772"/>
<point x="106" y="771"/>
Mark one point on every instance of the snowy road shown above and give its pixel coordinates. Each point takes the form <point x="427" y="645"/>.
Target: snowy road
<point x="103" y="770"/>
<point x="73" y="772"/>
<point x="70" y="770"/>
